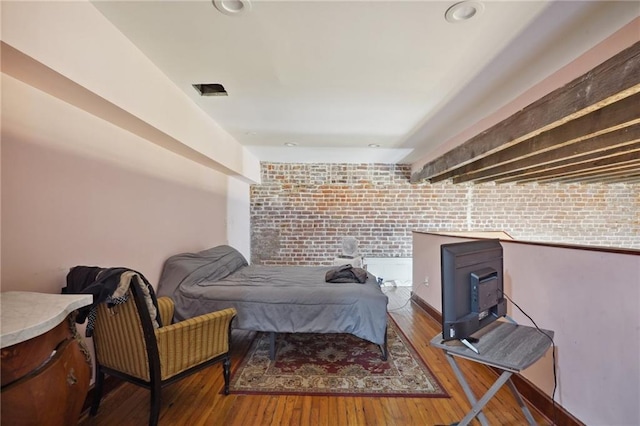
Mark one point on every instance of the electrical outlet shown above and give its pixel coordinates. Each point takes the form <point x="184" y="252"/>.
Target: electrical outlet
<point x="426" y="281"/>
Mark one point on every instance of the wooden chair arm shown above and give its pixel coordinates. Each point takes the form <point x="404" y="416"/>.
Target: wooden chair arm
<point x="193" y="341"/>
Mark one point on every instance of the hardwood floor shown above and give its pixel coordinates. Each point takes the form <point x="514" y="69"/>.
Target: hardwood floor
<point x="197" y="400"/>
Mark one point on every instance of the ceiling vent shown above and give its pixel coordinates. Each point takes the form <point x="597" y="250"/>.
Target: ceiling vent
<point x="211" y="89"/>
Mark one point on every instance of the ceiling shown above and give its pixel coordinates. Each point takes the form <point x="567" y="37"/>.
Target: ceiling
<point x="360" y="81"/>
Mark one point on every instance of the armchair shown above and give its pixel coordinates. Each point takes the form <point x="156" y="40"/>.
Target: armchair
<point x="129" y="347"/>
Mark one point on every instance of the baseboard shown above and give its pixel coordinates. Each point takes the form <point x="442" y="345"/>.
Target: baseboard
<point x="430" y="310"/>
<point x="538" y="399"/>
<point x="542" y="402"/>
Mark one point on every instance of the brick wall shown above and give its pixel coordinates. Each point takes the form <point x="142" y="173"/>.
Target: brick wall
<point x="300" y="212"/>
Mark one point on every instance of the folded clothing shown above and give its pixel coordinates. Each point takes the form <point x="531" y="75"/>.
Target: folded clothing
<point x="346" y="274"/>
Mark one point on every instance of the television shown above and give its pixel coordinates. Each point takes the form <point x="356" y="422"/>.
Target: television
<point x="472" y="288"/>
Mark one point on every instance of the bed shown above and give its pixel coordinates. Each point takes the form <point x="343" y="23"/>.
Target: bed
<point x="274" y="299"/>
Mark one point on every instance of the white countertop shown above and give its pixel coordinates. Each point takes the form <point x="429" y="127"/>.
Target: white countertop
<point x="27" y="314"/>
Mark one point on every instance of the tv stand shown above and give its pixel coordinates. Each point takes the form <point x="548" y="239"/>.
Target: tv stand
<point x="468" y="344"/>
<point x="508" y="347"/>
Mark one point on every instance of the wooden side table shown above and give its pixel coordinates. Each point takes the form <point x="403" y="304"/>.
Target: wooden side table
<point x="46" y="368"/>
<point x="506" y="346"/>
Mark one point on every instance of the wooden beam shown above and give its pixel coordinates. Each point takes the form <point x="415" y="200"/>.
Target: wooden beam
<point x="625" y="177"/>
<point x="576" y="169"/>
<point x="604" y="127"/>
<point x="629" y="162"/>
<point x="544" y="166"/>
<point x="629" y="174"/>
<point x="609" y="82"/>
<point x="629" y="178"/>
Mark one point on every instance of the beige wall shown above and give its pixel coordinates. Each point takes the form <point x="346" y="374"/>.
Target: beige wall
<point x="104" y="160"/>
<point x="77" y="190"/>
<point x="238" y="217"/>
<point x="589" y="298"/>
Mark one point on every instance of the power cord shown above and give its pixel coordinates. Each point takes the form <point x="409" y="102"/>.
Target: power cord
<point x="553" y="354"/>
<point x="399" y="307"/>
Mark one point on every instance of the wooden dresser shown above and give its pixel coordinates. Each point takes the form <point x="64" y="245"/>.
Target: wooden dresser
<point x="46" y="368"/>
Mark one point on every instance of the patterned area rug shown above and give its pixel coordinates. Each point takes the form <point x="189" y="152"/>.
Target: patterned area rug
<point x="335" y="364"/>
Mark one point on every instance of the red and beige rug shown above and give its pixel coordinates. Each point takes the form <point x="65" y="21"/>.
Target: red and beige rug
<point x="335" y="364"/>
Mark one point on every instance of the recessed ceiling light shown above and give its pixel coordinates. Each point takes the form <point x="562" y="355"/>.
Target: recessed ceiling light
<point x="463" y="11"/>
<point x="374" y="145"/>
<point x="290" y="144"/>
<point x="232" y="7"/>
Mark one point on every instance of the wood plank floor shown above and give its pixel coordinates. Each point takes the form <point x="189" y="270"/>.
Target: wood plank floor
<point x="197" y="400"/>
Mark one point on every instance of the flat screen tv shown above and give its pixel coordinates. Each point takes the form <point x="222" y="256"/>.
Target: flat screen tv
<point x="472" y="288"/>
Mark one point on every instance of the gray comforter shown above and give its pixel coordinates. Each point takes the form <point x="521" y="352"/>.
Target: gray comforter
<point x="286" y="299"/>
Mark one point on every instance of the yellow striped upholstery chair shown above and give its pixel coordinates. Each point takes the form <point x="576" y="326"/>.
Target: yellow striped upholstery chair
<point x="129" y="347"/>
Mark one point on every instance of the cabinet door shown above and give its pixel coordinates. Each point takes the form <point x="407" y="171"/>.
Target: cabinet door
<point x="51" y="395"/>
<point x="23" y="358"/>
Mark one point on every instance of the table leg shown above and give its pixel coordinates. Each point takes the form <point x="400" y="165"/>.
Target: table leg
<point x="476" y="410"/>
<point x="468" y="392"/>
<point x="523" y="406"/>
<point x="272" y="345"/>
<point x="476" y="406"/>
